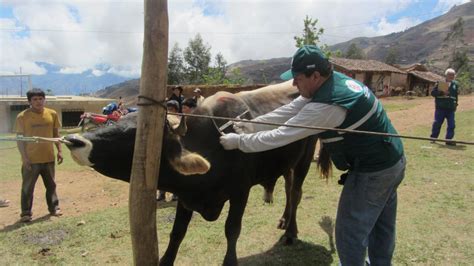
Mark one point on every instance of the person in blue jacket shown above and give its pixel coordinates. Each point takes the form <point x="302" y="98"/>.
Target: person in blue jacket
<point x="446" y="103"/>
<point x="375" y="165"/>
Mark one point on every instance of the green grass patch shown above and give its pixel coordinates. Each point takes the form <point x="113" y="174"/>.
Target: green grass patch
<point x="398" y="106"/>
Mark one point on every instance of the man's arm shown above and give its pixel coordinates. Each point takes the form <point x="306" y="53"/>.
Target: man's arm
<point x="58" y="146"/>
<point x="22" y="149"/>
<point x="280" y="115"/>
<point x="313" y="114"/>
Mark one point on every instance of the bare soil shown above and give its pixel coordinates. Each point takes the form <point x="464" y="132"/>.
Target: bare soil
<point x="86" y="191"/>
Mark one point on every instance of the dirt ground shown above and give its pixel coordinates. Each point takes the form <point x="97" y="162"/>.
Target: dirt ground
<point x="85" y="191"/>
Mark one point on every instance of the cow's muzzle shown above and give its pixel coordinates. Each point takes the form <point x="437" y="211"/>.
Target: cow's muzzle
<point x="74" y="141"/>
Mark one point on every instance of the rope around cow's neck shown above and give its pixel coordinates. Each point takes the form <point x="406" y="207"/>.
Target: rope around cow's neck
<point x="327" y="128"/>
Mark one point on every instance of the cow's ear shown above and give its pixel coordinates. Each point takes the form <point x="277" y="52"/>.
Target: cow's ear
<point x="190" y="163"/>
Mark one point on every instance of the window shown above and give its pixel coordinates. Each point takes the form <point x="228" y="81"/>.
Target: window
<point x="71" y="118"/>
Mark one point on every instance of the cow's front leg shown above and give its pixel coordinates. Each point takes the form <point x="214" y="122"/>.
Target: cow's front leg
<point x="180" y="226"/>
<point x="233" y="225"/>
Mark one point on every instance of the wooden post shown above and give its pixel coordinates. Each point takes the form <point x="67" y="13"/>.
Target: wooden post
<point x="147" y="154"/>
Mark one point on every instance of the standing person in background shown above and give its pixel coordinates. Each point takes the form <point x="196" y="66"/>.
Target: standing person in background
<point x="189" y="105"/>
<point x="198" y="96"/>
<point x="375" y="165"/>
<point x="38" y="158"/>
<point x="177" y="95"/>
<point x="446" y="102"/>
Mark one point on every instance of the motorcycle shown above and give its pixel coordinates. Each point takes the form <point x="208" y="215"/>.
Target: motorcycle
<point x="91" y="121"/>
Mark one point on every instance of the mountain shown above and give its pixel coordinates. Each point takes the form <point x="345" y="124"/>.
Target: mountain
<point x="423" y="43"/>
<point x="61" y="83"/>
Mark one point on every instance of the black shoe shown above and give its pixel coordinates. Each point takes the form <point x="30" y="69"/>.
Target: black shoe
<point x="450" y="143"/>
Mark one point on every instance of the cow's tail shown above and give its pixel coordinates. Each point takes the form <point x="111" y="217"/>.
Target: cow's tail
<point x="324" y="163"/>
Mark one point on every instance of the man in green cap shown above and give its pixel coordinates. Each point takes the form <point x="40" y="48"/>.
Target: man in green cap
<point x="375" y="164"/>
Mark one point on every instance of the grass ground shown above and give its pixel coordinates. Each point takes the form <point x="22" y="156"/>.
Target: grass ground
<point x="435" y="225"/>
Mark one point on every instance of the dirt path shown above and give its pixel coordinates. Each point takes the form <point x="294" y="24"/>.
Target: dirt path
<point x="86" y="190"/>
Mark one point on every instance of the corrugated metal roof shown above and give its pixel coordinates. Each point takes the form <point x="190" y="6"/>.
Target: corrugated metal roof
<point x="359" y="65"/>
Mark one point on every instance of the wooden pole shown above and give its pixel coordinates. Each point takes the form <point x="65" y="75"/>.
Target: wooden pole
<point x="147" y="153"/>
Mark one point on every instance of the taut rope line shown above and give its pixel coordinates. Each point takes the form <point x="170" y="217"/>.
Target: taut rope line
<point x="35" y="139"/>
<point x="62" y="140"/>
<point x="326" y="128"/>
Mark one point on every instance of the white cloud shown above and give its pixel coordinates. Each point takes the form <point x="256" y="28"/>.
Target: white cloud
<point x="79" y="34"/>
<point x="445" y="5"/>
<point x="384" y="27"/>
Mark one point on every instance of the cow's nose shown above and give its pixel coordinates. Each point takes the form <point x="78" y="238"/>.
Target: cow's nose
<point x="74" y="141"/>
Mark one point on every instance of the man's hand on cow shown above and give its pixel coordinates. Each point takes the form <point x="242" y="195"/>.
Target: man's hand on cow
<point x="243" y="127"/>
<point x="230" y="141"/>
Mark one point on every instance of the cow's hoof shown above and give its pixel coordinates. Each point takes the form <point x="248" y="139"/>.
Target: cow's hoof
<point x="282" y="224"/>
<point x="288" y="240"/>
<point x="267" y="197"/>
<point x="228" y="261"/>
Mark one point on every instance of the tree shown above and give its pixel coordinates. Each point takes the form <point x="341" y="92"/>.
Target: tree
<point x="216" y="74"/>
<point x="460" y="61"/>
<point x="392" y="56"/>
<point x="176" y="70"/>
<point x="197" y="57"/>
<point x="311" y="33"/>
<point x="354" y="52"/>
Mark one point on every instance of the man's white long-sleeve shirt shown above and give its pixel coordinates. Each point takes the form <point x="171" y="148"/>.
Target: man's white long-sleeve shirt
<point x="301" y="111"/>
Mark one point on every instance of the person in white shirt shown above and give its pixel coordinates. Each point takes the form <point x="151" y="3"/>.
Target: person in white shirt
<point x="375" y="164"/>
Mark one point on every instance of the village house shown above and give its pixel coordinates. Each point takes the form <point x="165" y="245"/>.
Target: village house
<point x="420" y="80"/>
<point x="382" y="79"/>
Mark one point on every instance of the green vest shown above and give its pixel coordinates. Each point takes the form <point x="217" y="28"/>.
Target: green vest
<point x="358" y="152"/>
<point x="447" y="102"/>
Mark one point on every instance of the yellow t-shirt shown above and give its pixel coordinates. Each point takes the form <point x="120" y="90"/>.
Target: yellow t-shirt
<point x="29" y="124"/>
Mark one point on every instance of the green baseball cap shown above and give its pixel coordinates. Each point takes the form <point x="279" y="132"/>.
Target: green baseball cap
<point x="306" y="58"/>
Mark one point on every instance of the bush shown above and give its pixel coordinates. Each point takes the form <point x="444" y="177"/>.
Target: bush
<point x="465" y="84"/>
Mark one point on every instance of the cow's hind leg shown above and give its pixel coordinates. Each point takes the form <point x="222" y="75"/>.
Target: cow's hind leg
<point x="268" y="187"/>
<point x="180" y="226"/>
<point x="300" y="172"/>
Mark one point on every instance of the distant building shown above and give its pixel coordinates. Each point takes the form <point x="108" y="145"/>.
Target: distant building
<point x="420" y="80"/>
<point x="379" y="77"/>
<point x="69" y="109"/>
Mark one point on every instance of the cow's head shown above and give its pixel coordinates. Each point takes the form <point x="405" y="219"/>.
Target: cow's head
<point x="109" y="150"/>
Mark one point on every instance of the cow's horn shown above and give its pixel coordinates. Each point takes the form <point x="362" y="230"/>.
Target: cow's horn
<point x="182" y="128"/>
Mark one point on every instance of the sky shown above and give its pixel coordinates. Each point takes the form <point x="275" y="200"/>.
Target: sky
<point x="107" y="35"/>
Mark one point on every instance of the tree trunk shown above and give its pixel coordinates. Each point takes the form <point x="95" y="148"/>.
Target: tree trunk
<point x="147" y="154"/>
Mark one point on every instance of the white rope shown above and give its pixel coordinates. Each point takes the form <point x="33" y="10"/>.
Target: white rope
<point x="34" y="139"/>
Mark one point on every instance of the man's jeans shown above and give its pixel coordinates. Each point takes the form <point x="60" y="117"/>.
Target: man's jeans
<point x="440" y="115"/>
<point x="46" y="170"/>
<point x="366" y="216"/>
